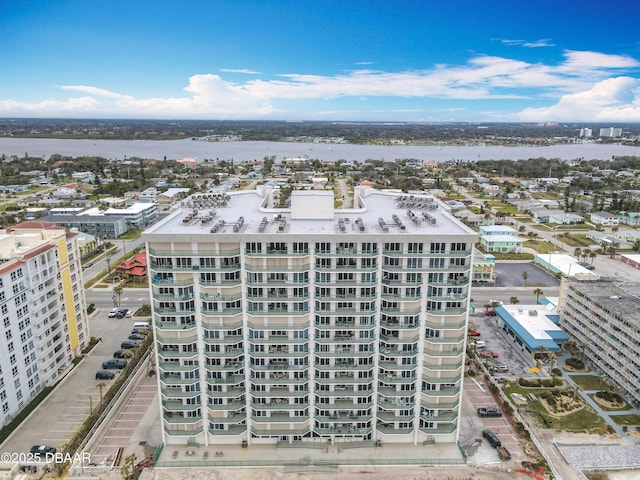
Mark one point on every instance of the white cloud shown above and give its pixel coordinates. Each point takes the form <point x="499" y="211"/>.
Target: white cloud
<point x="241" y="70"/>
<point x="579" y="83"/>
<point x="101" y="92"/>
<point x="612" y="100"/>
<point x="543" y="42"/>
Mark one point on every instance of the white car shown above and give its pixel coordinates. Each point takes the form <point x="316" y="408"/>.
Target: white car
<point x="113" y="313"/>
<point x="129" y="314"/>
<point x="480" y="344"/>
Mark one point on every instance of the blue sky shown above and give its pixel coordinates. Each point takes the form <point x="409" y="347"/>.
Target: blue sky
<point x="396" y="60"/>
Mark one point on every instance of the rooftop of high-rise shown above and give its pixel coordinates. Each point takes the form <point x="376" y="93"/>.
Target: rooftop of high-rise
<point x="311" y="211"/>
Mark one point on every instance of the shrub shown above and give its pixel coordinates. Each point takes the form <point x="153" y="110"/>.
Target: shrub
<point x="574" y="362"/>
<point x="91" y="308"/>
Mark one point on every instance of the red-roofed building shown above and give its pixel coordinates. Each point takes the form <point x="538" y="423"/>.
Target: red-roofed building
<point x="135" y="268"/>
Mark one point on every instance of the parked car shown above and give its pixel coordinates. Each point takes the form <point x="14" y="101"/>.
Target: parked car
<point x="122" y="354"/>
<point x="115" y="363"/>
<point x="491" y="312"/>
<point x="129" y="314"/>
<point x="493" y="439"/>
<point x="42" y="450"/>
<point x="121" y="312"/>
<point x="488" y="354"/>
<point x="129" y="344"/>
<point x="136" y="336"/>
<point x="113" y="313"/>
<point x="479" y="344"/>
<point x="503" y="453"/>
<point x="474" y="333"/>
<point x="104" y="375"/>
<point x="489" y="412"/>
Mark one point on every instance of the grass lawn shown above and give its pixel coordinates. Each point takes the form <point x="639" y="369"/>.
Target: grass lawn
<point x="575" y="240"/>
<point x="585" y="420"/>
<point x="588" y="382"/>
<point x="541" y="246"/>
<point x="631" y="419"/>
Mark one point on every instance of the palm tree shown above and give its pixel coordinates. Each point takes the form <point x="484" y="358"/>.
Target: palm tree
<point x="537" y="292"/>
<point x="592" y="256"/>
<point x="525" y="275"/>
<point x="577" y="252"/>
<point x="585" y="254"/>
<point x="514" y="300"/>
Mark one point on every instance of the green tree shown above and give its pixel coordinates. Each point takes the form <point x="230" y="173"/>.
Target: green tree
<point x="525" y="276"/>
<point x="538" y="292"/>
<point x="514" y="300"/>
<point x="577" y="252"/>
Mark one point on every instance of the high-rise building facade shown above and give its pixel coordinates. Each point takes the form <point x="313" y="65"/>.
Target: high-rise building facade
<point x="310" y="323"/>
<point x="603" y="319"/>
<point x="43" y="310"/>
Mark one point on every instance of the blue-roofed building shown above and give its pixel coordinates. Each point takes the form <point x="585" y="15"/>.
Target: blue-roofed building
<point x="533" y="327"/>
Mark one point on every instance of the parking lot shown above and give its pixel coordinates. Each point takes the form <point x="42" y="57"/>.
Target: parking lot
<point x="509" y="274"/>
<point x="55" y="422"/>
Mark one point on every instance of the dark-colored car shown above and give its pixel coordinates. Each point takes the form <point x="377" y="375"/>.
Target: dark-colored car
<point x="122" y="354"/>
<point x="129" y="344"/>
<point x="115" y="363"/>
<point x="104" y="375"/>
<point x="136" y="336"/>
<point x="42" y="450"/>
<point x="121" y="312"/>
<point x="489" y="412"/>
<point x="491" y="313"/>
<point x="492" y="438"/>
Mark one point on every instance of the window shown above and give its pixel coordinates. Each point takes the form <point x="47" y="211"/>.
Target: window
<point x="323" y="247"/>
<point x="415" y="247"/>
<point x="437" y="248"/>
<point x="253" y="247"/>
<point x="300" y="247"/>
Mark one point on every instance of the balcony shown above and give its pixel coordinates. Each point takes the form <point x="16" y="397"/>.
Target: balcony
<point x="171" y="417"/>
<point x="278" y="392"/>
<point x="390" y="429"/>
<point x="173" y="380"/>
<point x="176" y="367"/>
<point x="230" y="406"/>
<point x="174" y="311"/>
<point x="174" y="393"/>
<point x="233" y="430"/>
<point x="175" y="325"/>
<point x="176" y="353"/>
<point x="280" y="379"/>
<point x="446" y="325"/>
<point x="442" y="392"/>
<point x="443" y="353"/>
<point x="279" y="404"/>
<point x="175" y="340"/>
<point x="171" y="282"/>
<point x="232" y="418"/>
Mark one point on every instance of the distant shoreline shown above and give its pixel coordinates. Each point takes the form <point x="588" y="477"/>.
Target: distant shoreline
<point x="254" y="150"/>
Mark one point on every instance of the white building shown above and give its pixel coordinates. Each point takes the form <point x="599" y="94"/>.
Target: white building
<point x="310" y="323"/>
<point x="611" y="132"/>
<point x="44" y="322"/>
<point x="605" y="219"/>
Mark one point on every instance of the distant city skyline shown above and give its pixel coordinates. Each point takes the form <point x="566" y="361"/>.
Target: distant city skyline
<point x="498" y="60"/>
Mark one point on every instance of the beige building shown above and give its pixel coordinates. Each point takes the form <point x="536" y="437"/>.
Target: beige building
<point x="43" y="310"/>
<point x="310" y="323"/>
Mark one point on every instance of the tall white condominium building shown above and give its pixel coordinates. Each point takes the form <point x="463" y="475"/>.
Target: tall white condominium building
<point x="603" y="318"/>
<point x="42" y="306"/>
<point x="309" y="323"/>
<point x="611" y="132"/>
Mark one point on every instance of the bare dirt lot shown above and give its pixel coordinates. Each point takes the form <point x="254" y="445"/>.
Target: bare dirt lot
<point x="363" y="473"/>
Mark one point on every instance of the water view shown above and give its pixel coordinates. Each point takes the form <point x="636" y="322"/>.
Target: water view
<point x="249" y="151"/>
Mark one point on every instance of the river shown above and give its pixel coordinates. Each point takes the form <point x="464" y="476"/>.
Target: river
<point x="249" y="151"/>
